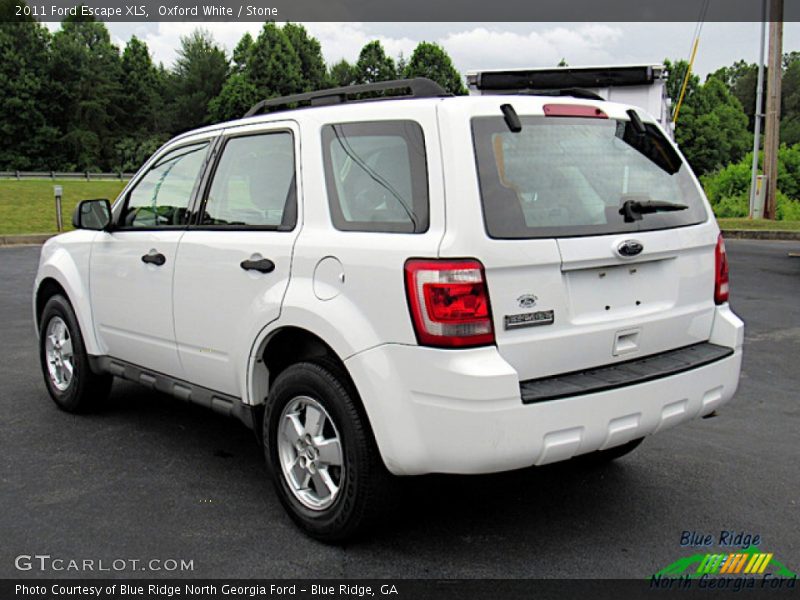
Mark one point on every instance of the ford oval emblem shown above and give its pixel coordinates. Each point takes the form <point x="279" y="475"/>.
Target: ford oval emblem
<point x="527" y="300"/>
<point x="630" y="248"/>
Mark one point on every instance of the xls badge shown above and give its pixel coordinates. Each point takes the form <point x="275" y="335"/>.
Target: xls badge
<point x="532" y="319"/>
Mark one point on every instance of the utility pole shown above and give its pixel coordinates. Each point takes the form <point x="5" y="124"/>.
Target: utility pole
<point x="759" y="111"/>
<point x="773" y="115"/>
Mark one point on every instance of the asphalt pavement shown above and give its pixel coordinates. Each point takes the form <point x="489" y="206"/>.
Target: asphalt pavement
<point x="150" y="477"/>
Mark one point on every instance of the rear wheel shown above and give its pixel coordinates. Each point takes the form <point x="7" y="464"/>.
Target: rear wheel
<point x="326" y="468"/>
<point x="65" y="366"/>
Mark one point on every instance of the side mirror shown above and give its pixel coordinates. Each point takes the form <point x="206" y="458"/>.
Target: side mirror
<point x="92" y="214"/>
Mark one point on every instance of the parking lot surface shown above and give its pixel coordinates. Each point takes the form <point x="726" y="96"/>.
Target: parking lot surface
<point x="150" y="477"/>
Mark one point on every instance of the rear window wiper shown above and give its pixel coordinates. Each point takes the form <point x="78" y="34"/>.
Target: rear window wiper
<point x="633" y="210"/>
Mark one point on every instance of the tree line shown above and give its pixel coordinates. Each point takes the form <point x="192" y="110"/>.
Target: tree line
<point x="715" y="132"/>
<point x="73" y="101"/>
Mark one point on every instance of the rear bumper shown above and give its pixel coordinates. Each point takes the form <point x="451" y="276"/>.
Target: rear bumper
<point x="461" y="411"/>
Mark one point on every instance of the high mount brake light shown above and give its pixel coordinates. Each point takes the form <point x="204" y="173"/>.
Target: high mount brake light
<point x="573" y="110"/>
<point x="721" y="275"/>
<point x="449" y="303"/>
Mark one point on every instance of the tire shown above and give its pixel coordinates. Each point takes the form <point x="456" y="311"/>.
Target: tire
<point x="362" y="483"/>
<point x="602" y="457"/>
<point x="65" y="366"/>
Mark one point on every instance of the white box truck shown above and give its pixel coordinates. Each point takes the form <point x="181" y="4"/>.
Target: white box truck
<point x="640" y="85"/>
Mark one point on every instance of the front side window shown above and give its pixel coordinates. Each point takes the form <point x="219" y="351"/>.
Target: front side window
<point x="161" y="198"/>
<point x="376" y="176"/>
<point x="567" y="176"/>
<point x="254" y="184"/>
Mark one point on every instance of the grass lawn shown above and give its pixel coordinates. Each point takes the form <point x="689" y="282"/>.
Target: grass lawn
<point x="28" y="205"/>
<point x="759" y="224"/>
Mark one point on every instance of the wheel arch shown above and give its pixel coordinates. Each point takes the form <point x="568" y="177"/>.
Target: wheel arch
<point x="59" y="273"/>
<point x="281" y="347"/>
<point x="48" y="288"/>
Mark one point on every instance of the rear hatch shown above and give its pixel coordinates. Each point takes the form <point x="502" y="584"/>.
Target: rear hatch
<point x="580" y="272"/>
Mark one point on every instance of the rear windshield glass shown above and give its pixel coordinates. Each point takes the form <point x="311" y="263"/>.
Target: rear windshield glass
<point x="567" y="176"/>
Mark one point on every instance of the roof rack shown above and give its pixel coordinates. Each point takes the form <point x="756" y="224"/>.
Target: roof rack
<point x="573" y="92"/>
<point x="419" y="87"/>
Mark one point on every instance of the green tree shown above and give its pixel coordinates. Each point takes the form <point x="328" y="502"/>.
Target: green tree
<point x="712" y="127"/>
<point x="26" y="136"/>
<point x="143" y="86"/>
<point x="313" y="71"/>
<point x="373" y="64"/>
<point x="237" y="96"/>
<point x="790" y="100"/>
<point x="342" y="73"/>
<point x="728" y="189"/>
<point x="741" y="79"/>
<point x="241" y="52"/>
<point x="146" y="123"/>
<point x="273" y="66"/>
<point x="676" y="72"/>
<point x="85" y="74"/>
<point x="431" y="61"/>
<point x="199" y="74"/>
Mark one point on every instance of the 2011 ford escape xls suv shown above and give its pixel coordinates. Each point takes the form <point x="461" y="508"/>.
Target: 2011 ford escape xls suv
<point x="403" y="286"/>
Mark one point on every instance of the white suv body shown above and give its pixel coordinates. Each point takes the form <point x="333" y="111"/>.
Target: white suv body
<point x="567" y="309"/>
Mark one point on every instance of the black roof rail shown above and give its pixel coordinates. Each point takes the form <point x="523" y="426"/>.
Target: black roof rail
<point x="573" y="92"/>
<point x="419" y="87"/>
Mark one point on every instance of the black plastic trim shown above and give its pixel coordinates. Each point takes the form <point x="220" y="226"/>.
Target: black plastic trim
<point x="224" y="404"/>
<point x="622" y="374"/>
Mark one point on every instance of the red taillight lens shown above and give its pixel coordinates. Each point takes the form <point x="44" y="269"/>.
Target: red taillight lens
<point x="449" y="303"/>
<point x="721" y="282"/>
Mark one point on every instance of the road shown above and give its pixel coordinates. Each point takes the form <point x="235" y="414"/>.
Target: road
<point x="152" y="478"/>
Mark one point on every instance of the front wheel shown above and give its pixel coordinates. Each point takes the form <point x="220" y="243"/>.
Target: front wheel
<point x="69" y="379"/>
<point x="325" y="465"/>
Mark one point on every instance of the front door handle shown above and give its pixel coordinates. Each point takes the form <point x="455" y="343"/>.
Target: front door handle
<point x="154" y="258"/>
<point x="263" y="265"/>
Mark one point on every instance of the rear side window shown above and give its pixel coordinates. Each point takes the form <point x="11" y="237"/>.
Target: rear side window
<point x="561" y="177"/>
<point x="254" y="184"/>
<point x="376" y="175"/>
<point x="161" y="198"/>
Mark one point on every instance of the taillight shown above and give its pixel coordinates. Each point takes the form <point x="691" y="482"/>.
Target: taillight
<point x="449" y="303"/>
<point x="721" y="283"/>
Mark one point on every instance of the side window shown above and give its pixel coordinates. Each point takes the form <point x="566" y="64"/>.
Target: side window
<point x="377" y="176"/>
<point x="161" y="198"/>
<point x="254" y="183"/>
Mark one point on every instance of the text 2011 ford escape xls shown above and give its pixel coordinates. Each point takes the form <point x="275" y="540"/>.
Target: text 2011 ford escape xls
<point x="403" y="286"/>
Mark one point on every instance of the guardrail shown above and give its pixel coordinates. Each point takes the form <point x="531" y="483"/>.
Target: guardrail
<point x="86" y="175"/>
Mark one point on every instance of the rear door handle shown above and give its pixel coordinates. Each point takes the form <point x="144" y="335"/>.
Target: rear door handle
<point x="154" y="258"/>
<point x="263" y="265"/>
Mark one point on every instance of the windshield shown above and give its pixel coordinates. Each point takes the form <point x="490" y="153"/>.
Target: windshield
<point x="562" y="177"/>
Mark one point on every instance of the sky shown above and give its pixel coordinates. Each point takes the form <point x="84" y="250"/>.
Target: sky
<point x="497" y="45"/>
